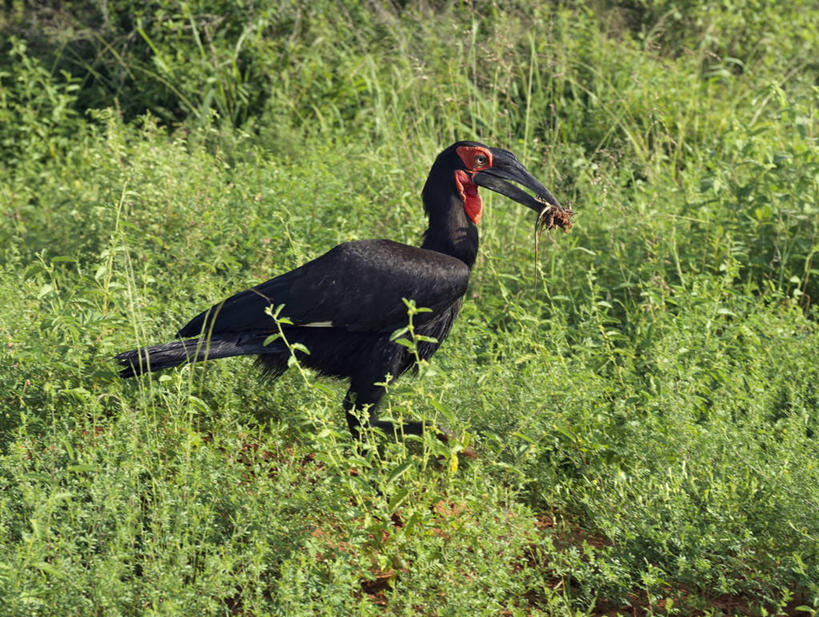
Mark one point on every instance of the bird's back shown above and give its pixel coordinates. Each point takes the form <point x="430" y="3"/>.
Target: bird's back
<point x="357" y="286"/>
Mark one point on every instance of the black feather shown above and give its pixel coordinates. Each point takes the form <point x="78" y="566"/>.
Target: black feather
<point x="167" y="355"/>
<point x="344" y="305"/>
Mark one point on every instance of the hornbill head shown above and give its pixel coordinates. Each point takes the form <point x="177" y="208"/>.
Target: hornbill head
<point x="474" y="164"/>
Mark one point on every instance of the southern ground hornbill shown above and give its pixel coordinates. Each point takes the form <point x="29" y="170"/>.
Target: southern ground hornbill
<point x="345" y="305"/>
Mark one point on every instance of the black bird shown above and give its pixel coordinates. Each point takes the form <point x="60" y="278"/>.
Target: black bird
<point x="345" y="305"/>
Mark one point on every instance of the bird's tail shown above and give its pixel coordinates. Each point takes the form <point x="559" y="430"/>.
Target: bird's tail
<point x="166" y="355"/>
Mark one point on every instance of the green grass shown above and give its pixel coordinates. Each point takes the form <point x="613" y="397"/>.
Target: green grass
<point x="646" y="415"/>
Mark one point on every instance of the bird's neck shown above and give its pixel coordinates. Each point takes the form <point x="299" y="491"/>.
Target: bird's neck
<point x="450" y="231"/>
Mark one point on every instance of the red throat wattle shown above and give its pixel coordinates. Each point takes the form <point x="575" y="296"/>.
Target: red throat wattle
<point x="468" y="190"/>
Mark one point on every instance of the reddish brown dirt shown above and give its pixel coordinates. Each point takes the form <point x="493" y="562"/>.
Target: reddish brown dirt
<point x="551" y="217"/>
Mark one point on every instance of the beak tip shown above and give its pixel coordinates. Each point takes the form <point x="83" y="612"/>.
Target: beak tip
<point x="549" y="200"/>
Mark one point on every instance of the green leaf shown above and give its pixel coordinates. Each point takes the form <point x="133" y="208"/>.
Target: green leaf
<point x="47" y="568"/>
<point x="198" y="404"/>
<point x="83" y="468"/>
<point x="443" y="410"/>
<point x="398" y="472"/>
<point x="397" y="499"/>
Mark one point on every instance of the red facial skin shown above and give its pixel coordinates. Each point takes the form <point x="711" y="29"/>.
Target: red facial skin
<point x="473" y="206"/>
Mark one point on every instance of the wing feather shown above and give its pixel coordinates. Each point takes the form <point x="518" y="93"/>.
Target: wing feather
<point x="356" y="285"/>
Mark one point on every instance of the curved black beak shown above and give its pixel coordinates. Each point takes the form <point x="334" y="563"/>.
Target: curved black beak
<point x="506" y="167"/>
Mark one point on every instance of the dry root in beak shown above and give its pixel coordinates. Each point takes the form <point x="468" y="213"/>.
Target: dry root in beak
<point x="551" y="217"/>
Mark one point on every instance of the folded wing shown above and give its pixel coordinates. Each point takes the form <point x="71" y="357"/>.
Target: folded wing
<point x="358" y="286"/>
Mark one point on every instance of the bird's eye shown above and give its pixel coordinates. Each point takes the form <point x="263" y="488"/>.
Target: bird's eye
<point x="480" y="160"/>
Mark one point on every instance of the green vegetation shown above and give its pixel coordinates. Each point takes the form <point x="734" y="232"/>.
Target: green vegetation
<point x="647" y="417"/>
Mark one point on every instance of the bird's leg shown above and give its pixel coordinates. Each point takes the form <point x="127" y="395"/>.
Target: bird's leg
<point x="360" y="397"/>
